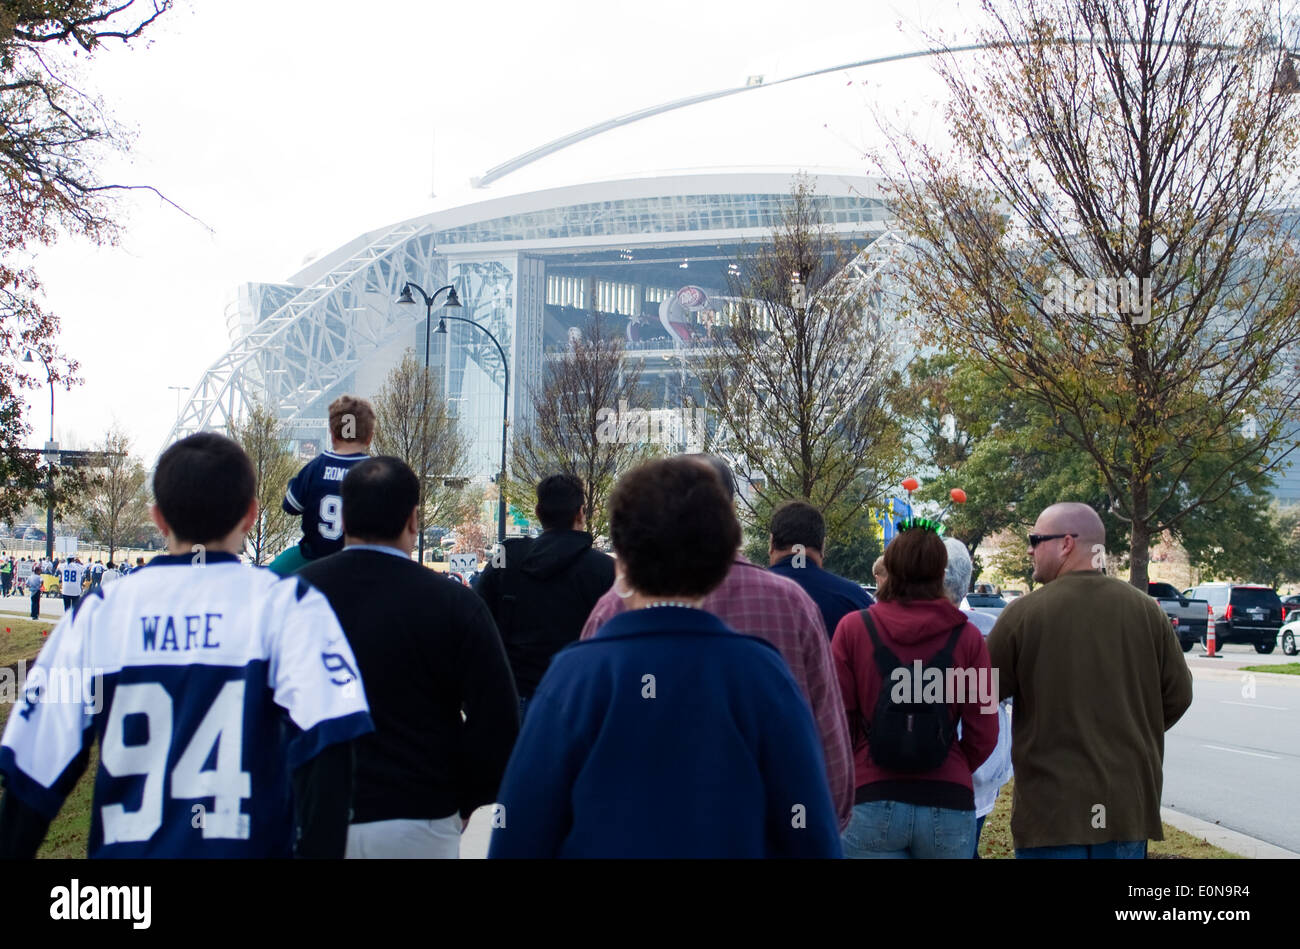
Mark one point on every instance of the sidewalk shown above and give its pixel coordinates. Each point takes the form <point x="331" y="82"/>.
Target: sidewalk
<point x="1229" y="840"/>
<point x="21" y="606"/>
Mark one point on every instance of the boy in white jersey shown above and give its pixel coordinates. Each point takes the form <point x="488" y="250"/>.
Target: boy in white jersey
<point x="224" y="699"/>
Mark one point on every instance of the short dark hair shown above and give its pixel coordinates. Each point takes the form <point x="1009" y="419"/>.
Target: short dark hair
<point x="915" y="562"/>
<point x="673" y="527"/>
<point x="798" y="522"/>
<point x="559" y="499"/>
<point x="379" y="495"/>
<point x="725" y="474"/>
<point x="204" y="485"/>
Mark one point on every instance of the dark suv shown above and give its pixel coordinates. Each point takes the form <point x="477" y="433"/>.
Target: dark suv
<point x="1243" y="614"/>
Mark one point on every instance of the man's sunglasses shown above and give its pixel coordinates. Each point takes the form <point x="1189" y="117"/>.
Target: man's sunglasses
<point x="1036" y="539"/>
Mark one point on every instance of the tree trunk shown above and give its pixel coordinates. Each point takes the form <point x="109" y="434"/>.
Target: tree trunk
<point x="1140" y="541"/>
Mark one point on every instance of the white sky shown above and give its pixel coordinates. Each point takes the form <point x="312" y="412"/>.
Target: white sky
<point x="291" y="126"/>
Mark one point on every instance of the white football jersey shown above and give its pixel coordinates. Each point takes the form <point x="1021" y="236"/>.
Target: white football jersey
<point x="207" y="683"/>
<point x="72" y="574"/>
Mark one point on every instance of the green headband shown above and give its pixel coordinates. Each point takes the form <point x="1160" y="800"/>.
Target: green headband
<point x="924" y="523"/>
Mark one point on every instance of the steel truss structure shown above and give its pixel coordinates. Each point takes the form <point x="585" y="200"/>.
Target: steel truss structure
<point x="312" y="342"/>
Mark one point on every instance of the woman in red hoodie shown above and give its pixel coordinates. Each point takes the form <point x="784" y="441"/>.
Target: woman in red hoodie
<point x="914" y="794"/>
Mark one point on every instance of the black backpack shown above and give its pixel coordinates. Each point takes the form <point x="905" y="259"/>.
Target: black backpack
<point x="909" y="736"/>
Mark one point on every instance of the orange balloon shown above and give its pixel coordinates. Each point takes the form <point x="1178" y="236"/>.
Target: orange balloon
<point x="910" y="484"/>
<point x="958" y="495"/>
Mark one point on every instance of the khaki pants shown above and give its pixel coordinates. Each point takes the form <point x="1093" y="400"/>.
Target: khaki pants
<point x="405" y="839"/>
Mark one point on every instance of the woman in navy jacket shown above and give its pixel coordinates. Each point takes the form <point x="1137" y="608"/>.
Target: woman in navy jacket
<point x="667" y="734"/>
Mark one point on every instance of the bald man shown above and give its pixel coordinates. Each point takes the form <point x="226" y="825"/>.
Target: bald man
<point x="1097" y="677"/>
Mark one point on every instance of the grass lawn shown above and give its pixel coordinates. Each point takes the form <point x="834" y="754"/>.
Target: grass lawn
<point x="68" y="833"/>
<point x="1286" y="669"/>
<point x="21" y="638"/>
<point x="995" y="841"/>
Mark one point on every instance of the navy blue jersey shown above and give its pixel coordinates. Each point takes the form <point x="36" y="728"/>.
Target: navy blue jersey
<point x="207" y="683"/>
<point x="314" y="493"/>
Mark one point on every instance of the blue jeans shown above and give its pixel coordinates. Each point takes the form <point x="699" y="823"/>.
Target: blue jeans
<point x="1112" y="850"/>
<point x="894" y="830"/>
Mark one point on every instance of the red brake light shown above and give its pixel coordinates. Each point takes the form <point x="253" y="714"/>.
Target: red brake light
<point x="1227" y="614"/>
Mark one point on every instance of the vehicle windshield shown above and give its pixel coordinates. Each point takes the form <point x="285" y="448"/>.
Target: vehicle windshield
<point x="984" y="599"/>
<point x="1163" y="591"/>
<point x="1244" y="598"/>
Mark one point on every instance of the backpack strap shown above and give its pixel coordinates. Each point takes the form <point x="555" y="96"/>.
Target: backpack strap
<point x="944" y="657"/>
<point x="886" y="661"/>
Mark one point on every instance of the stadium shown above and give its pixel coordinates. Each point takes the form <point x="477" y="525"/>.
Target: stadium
<point x="648" y="251"/>
<point x="650" y="255"/>
<point x="540" y="243"/>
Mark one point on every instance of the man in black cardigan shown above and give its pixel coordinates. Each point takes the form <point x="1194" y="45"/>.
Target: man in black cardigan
<point x="428" y="649"/>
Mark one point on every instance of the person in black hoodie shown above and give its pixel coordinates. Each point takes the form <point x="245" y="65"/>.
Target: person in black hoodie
<point x="546" y="587"/>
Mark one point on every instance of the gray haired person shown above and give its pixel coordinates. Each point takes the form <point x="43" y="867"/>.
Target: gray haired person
<point x="989" y="777"/>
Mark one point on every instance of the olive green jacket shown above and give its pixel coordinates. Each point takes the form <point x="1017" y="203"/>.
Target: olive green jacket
<point x="1098" y="677"/>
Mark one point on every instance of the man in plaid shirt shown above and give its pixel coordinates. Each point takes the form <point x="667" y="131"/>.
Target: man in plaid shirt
<point x="757" y="602"/>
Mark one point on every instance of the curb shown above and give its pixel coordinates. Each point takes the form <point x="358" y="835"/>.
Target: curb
<point x="1229" y="674"/>
<point x="1229" y="840"/>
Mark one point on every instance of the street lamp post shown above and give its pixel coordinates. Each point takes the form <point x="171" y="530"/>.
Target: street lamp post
<point x="405" y="298"/>
<point x="505" y="421"/>
<point x="51" y="455"/>
<point x="178" y="390"/>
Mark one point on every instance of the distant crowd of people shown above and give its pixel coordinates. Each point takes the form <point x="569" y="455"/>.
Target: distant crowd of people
<point x="71" y="576"/>
<point x="674" y="700"/>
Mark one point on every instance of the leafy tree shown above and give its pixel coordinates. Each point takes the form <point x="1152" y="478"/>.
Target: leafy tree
<point x="853" y="550"/>
<point x="1014" y="562"/>
<point x="266" y="443"/>
<point x="471" y="538"/>
<point x="115" y="505"/>
<point x="1107" y="233"/>
<point x="1252" y="539"/>
<point x="799" y="385"/>
<point x="52" y="138"/>
<point x="1013" y="462"/>
<point x="579" y="423"/>
<point x="1003" y="451"/>
<point x="412" y="423"/>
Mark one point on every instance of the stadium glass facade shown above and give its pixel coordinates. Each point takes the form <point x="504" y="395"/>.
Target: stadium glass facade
<point x="533" y="269"/>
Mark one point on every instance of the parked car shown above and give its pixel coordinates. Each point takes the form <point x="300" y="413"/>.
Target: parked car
<point x="1243" y="613"/>
<point x="1012" y="594"/>
<point x="1289" y="605"/>
<point x="1287" y="636"/>
<point x="989" y="603"/>
<point x="1190" y="617"/>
